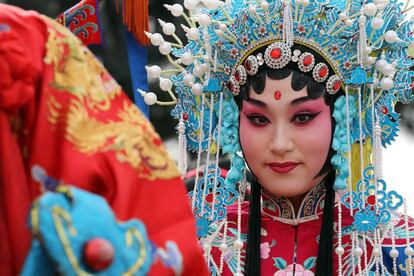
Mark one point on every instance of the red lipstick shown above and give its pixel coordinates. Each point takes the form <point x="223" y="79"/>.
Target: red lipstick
<point x="284" y="167"/>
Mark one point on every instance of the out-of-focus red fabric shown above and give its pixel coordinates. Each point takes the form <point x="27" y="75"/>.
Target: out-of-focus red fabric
<point x="61" y="110"/>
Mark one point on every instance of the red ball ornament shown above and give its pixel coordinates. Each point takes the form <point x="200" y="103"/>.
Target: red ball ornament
<point x="98" y="254"/>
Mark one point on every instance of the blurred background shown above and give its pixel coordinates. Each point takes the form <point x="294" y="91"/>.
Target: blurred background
<point x="398" y="158"/>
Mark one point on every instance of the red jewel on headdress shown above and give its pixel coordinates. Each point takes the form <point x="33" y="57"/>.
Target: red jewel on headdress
<point x="307" y="60"/>
<point x="323" y="72"/>
<point x="337" y="85"/>
<point x="185" y="116"/>
<point x="276" y="53"/>
<point x="209" y="198"/>
<point x="277" y="95"/>
<point x="384" y="110"/>
<point x="237" y="76"/>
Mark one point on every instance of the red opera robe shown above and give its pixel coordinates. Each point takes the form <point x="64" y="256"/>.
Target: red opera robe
<point x="61" y="110"/>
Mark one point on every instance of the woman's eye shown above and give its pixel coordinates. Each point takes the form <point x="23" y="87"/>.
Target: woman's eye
<point x="258" y="120"/>
<point x="304" y="117"/>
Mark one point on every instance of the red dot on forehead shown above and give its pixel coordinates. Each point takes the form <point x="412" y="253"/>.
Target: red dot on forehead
<point x="277" y="95"/>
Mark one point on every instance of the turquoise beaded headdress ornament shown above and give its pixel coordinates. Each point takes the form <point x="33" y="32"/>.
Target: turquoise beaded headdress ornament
<point x="365" y="47"/>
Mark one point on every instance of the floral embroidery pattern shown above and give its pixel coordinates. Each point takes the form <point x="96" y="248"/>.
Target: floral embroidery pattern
<point x="294" y="269"/>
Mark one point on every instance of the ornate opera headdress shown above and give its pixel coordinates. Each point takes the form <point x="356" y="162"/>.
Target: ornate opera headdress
<point x="360" y="47"/>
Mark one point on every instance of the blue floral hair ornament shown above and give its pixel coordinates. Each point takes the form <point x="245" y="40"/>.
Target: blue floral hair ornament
<point x="339" y="141"/>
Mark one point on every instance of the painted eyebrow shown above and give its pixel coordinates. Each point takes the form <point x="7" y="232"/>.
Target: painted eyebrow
<point x="300" y="100"/>
<point x="256" y="102"/>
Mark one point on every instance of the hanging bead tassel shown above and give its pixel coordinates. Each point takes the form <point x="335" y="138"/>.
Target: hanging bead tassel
<point x="287" y="23"/>
<point x="182" y="147"/>
<point x="210" y="133"/>
<point x="394" y="252"/>
<point x="348" y="141"/>
<point x="409" y="251"/>
<point x="339" y="250"/>
<point x="200" y="140"/>
<point x="377" y="151"/>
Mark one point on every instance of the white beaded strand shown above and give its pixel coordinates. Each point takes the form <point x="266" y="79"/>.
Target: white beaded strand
<point x="340" y="250"/>
<point x="353" y="252"/>
<point x="223" y="246"/>
<point x="182" y="147"/>
<point x="200" y="140"/>
<point x="358" y="252"/>
<point x="217" y="153"/>
<point x="210" y="130"/>
<point x="361" y="148"/>
<point x="409" y="252"/>
<point x="348" y="141"/>
<point x="394" y="252"/>
<point x="287" y="23"/>
<point x="238" y="244"/>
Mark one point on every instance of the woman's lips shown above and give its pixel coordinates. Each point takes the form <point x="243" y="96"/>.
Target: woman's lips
<point x="282" y="167"/>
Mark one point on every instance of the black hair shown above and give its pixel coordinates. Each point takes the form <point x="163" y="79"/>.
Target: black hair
<point x="324" y="262"/>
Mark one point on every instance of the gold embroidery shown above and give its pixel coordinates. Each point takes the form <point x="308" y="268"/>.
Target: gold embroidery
<point x="92" y="91"/>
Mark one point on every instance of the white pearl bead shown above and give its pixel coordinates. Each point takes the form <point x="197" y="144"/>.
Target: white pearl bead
<point x="197" y="89"/>
<point x="305" y="2"/>
<point x="387" y="83"/>
<point x="219" y="33"/>
<point x="165" y="84"/>
<point x="388" y="70"/>
<point x="205" y="67"/>
<point x="375" y="82"/>
<point x="204" y="20"/>
<point x="193" y="34"/>
<point x="190" y="4"/>
<point x="358" y="251"/>
<point x="165" y="48"/>
<point x="376" y="251"/>
<point x="198" y="71"/>
<point x="153" y="71"/>
<point x="181" y="128"/>
<point x="156" y="39"/>
<point x="177" y="10"/>
<point x="150" y="98"/>
<point x="223" y="247"/>
<point x="187" y="58"/>
<point x="343" y="16"/>
<point x="409" y="251"/>
<point x="367" y="50"/>
<point x="238" y="244"/>
<point x="168" y="28"/>
<point x="394" y="253"/>
<point x="339" y="251"/>
<point x="264" y="4"/>
<point x="370" y="9"/>
<point x="377" y="23"/>
<point x="223" y="27"/>
<point x="391" y="36"/>
<point x="212" y="4"/>
<point x="380" y="64"/>
<point x="349" y="22"/>
<point x="189" y="80"/>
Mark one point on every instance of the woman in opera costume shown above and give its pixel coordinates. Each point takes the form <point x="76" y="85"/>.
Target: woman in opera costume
<point x="301" y="94"/>
<point x="64" y="119"/>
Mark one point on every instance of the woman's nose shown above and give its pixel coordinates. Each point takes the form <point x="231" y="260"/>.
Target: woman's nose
<point x="281" y="141"/>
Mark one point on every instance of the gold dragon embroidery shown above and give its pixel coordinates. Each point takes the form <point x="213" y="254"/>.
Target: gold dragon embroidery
<point x="88" y="122"/>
